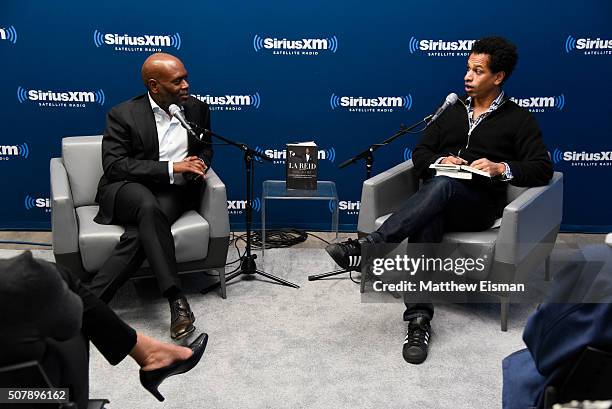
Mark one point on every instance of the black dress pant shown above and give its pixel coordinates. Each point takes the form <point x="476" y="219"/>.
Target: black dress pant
<point x="147" y="213"/>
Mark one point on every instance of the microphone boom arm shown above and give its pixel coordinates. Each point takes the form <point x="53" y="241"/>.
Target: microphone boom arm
<point x="368" y="153"/>
<point x="242" y="146"/>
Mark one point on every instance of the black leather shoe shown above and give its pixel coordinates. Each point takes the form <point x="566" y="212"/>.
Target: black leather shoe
<point x="346" y="254"/>
<point x="182" y="319"/>
<point x="416" y="343"/>
<point x="151" y="380"/>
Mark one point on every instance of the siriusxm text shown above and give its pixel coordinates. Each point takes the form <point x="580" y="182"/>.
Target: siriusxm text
<point x="146" y="40"/>
<point x="589" y="44"/>
<point x="535" y="102"/>
<point x="236" y="204"/>
<point x="303" y="44"/>
<point x="41" y="202"/>
<point x="371" y="102"/>
<point x="9" y="150"/>
<point x="225" y="100"/>
<point x="587" y="156"/>
<point x="70" y="96"/>
<point x="439" y="45"/>
<point x="348" y="205"/>
<point x="282" y="154"/>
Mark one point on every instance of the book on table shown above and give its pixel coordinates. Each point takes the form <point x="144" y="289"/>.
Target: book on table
<point x="457" y="171"/>
<point x="301" y="165"/>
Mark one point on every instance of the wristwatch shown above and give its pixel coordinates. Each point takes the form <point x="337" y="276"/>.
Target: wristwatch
<point x="507" y="175"/>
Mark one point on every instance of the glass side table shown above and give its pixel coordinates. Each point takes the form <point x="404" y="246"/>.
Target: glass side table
<point x="277" y="190"/>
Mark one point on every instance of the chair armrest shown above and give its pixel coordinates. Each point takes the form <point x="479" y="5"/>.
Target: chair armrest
<point x="213" y="205"/>
<point x="385" y="193"/>
<point x="64" y="228"/>
<point x="528" y="219"/>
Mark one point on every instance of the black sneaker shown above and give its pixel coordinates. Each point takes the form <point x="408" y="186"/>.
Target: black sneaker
<point x="417" y="340"/>
<point x="346" y="254"/>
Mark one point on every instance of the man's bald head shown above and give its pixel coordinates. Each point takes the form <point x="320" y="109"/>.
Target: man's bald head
<point x="165" y="77"/>
<point x="158" y="65"/>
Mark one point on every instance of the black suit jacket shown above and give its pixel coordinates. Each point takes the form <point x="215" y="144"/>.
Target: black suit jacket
<point x="130" y="149"/>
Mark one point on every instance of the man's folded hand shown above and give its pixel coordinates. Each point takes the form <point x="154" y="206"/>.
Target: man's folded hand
<point x="191" y="164"/>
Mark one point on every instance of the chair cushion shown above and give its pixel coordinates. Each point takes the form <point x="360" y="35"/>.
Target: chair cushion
<point x="96" y="241"/>
<point x="82" y="156"/>
<point x="479" y="244"/>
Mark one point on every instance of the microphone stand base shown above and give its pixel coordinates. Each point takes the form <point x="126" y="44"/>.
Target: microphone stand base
<point x="249" y="269"/>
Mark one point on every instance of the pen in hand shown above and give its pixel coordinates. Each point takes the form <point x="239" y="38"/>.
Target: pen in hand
<point x="457" y="157"/>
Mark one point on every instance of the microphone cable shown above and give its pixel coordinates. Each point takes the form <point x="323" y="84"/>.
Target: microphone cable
<point x="274" y="239"/>
<point x="281" y="238"/>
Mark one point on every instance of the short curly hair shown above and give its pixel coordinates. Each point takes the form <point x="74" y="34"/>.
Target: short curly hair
<point x="502" y="53"/>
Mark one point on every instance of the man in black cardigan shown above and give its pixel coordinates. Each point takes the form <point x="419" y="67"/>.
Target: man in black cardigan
<point x="153" y="173"/>
<point x="485" y="130"/>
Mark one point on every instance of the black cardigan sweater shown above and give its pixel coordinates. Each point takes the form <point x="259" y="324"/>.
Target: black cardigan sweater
<point x="509" y="134"/>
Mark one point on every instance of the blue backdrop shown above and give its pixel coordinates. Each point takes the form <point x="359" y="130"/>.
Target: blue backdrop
<point x="341" y="73"/>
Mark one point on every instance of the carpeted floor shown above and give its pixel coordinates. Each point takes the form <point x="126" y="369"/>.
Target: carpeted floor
<point x="318" y="346"/>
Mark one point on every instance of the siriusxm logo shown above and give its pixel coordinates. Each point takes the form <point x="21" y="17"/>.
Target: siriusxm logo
<point x="588" y="45"/>
<point x="239" y="206"/>
<point x="441" y="48"/>
<point x="304" y="46"/>
<point x="8" y="151"/>
<point x="407" y="154"/>
<point x="146" y="42"/>
<point x="375" y="104"/>
<point x="230" y="102"/>
<point x="541" y="104"/>
<point x="9" y="34"/>
<point x="41" y="203"/>
<point x="280" y="155"/>
<point x="72" y="99"/>
<point x="575" y="158"/>
<point x="345" y="206"/>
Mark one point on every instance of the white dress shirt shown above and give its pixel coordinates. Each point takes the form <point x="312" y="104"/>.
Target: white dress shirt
<point x="172" y="138"/>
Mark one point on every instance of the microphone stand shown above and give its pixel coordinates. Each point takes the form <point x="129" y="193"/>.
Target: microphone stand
<point x="368" y="156"/>
<point x="247" y="262"/>
<point x="368" y="153"/>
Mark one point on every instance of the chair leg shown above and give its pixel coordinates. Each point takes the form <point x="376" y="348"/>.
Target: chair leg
<point x="547" y="268"/>
<point x="222" y="282"/>
<point x="504" y="307"/>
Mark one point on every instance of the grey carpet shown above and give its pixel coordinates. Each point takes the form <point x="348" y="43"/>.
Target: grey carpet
<point x="317" y="346"/>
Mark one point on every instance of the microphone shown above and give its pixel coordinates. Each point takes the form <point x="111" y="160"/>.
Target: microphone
<point x="177" y="112"/>
<point x="450" y="100"/>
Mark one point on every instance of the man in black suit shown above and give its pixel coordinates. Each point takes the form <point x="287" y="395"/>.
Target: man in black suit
<point x="153" y="172"/>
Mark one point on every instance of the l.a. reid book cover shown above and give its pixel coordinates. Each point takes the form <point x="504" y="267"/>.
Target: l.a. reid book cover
<point x="301" y="165"/>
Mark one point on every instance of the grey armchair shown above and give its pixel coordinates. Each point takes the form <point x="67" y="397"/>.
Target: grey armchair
<point x="201" y="237"/>
<point x="524" y="239"/>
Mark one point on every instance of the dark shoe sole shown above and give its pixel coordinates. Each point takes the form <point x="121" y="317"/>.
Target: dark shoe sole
<point x="183" y="334"/>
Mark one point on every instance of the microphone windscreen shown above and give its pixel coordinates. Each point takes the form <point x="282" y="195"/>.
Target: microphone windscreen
<point x="174" y="109"/>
